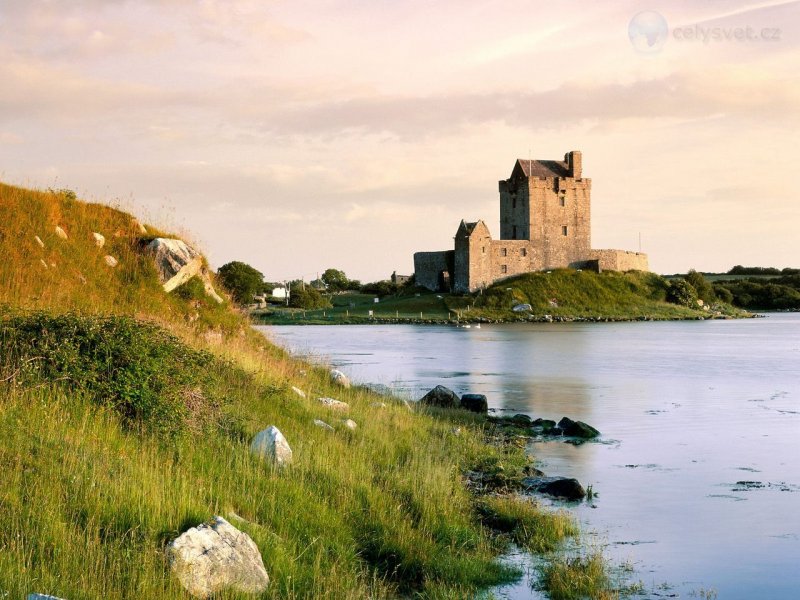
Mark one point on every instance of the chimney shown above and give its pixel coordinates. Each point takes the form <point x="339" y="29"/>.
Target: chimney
<point x="574" y="165"/>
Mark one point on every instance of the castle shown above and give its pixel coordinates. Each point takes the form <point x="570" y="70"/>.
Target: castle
<point x="545" y="223"/>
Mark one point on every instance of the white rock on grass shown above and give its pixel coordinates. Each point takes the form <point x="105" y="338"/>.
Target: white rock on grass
<point x="340" y="378"/>
<point x="39" y="240"/>
<point x="271" y="445"/>
<point x="298" y="391"/>
<point x="322" y="425"/>
<point x="99" y="239"/>
<point x="215" y="556"/>
<point x="350" y="424"/>
<point x="378" y="405"/>
<point x="177" y="263"/>
<point x="42" y="597"/>
<point x="61" y="233"/>
<point x="44" y="264"/>
<point x="110" y="261"/>
<point x="334" y="404"/>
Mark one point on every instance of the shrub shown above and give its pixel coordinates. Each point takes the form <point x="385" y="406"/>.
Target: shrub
<point x="145" y="374"/>
<point x="682" y="293"/>
<point x="306" y="297"/>
<point x="701" y="286"/>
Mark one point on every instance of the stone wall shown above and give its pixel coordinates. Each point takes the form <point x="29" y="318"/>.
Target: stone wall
<point x="620" y="260"/>
<point x="429" y="267"/>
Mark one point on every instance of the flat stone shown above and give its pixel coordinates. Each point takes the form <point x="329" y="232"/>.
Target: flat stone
<point x="323" y="425"/>
<point x="61" y="233"/>
<point x="350" y="424"/>
<point x="271" y="445"/>
<point x="215" y="556"/>
<point x="334" y="404"/>
<point x="39" y="240"/>
<point x="110" y="261"/>
<point x="42" y="597"/>
<point x="99" y="239"/>
<point x="298" y="391"/>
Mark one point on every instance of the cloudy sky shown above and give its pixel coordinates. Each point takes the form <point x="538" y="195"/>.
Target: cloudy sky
<point x="297" y="136"/>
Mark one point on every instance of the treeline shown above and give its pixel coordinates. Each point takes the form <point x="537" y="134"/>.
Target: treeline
<point x="740" y="270"/>
<point x="753" y="293"/>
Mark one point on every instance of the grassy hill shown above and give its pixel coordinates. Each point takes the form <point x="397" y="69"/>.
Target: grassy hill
<point x="125" y="418"/>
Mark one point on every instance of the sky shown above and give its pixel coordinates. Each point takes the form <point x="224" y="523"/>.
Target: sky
<point x="298" y="136"/>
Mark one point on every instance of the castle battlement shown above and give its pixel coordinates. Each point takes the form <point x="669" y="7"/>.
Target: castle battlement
<point x="545" y="223"/>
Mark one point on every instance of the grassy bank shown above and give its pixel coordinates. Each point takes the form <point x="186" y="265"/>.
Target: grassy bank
<point x="125" y="418"/>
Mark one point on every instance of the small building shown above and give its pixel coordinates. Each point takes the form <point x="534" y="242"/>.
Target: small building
<point x="399" y="279"/>
<point x="280" y="293"/>
<point x="545" y="223"/>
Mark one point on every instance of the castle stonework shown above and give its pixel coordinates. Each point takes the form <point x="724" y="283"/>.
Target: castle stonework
<point x="545" y="223"/>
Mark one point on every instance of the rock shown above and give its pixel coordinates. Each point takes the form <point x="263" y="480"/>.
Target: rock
<point x="61" y="233"/>
<point x="323" y="425"/>
<point x="39" y="240"/>
<point x="110" y="261"/>
<point x="271" y="445"/>
<point x="350" y="424"/>
<point x="99" y="239"/>
<point x="216" y="556"/>
<point x="545" y="424"/>
<point x="577" y="429"/>
<point x="340" y="378"/>
<point x="522" y="308"/>
<point x="560" y="487"/>
<point x="442" y="397"/>
<point x="177" y="263"/>
<point x="298" y="391"/>
<point x="334" y="404"/>
<point x="139" y="227"/>
<point x="44" y="264"/>
<point x="476" y="403"/>
<point x="521" y="420"/>
<point x="42" y="597"/>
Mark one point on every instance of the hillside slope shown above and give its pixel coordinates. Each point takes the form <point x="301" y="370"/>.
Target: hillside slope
<point x="117" y="434"/>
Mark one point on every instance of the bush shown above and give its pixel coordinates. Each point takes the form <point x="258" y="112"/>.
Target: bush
<point x="701" y="286"/>
<point x="306" y="297"/>
<point x="682" y="293"/>
<point x="145" y="374"/>
<point x="241" y="280"/>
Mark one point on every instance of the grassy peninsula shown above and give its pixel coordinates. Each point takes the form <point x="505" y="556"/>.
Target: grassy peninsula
<point x="558" y="295"/>
<point x="126" y="415"/>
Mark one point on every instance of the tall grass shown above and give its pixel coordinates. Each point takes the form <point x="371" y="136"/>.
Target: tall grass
<point x="92" y="491"/>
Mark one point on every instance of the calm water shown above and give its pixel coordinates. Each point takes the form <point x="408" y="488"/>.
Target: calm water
<point x="686" y="410"/>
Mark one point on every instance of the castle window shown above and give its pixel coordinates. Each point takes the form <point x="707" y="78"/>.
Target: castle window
<point x="564" y="229"/>
<point x="524" y="252"/>
<point x="504" y="268"/>
<point x="504" y="252"/>
<point x="514" y="232"/>
<point x="514" y="202"/>
<point x="483" y="249"/>
<point x="563" y="201"/>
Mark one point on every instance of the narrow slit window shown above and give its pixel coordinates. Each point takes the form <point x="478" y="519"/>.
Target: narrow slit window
<point x="524" y="252"/>
<point x="504" y="252"/>
<point x="563" y="201"/>
<point x="504" y="268"/>
<point x="564" y="230"/>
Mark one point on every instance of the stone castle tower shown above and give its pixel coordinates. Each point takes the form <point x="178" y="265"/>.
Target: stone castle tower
<point x="545" y="223"/>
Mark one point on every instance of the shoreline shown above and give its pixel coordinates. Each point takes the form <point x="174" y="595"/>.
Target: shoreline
<point x="314" y="320"/>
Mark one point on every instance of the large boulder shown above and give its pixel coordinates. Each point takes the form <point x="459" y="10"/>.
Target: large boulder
<point x="442" y="397"/>
<point x="271" y="445"/>
<point x="560" y="487"/>
<point x="475" y="402"/>
<point x="577" y="429"/>
<point x="177" y="263"/>
<point x="215" y="556"/>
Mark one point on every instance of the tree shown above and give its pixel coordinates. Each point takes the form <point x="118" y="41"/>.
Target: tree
<point x="335" y="279"/>
<point x="681" y="292"/>
<point x="305" y="296"/>
<point x="241" y="280"/>
<point x="705" y="291"/>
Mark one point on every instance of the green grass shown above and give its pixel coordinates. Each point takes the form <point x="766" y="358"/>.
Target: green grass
<point x="576" y="578"/>
<point x="584" y="294"/>
<point x="125" y="418"/>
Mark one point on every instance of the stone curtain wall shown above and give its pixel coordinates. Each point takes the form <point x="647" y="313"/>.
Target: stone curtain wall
<point x="428" y="267"/>
<point x="620" y="260"/>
